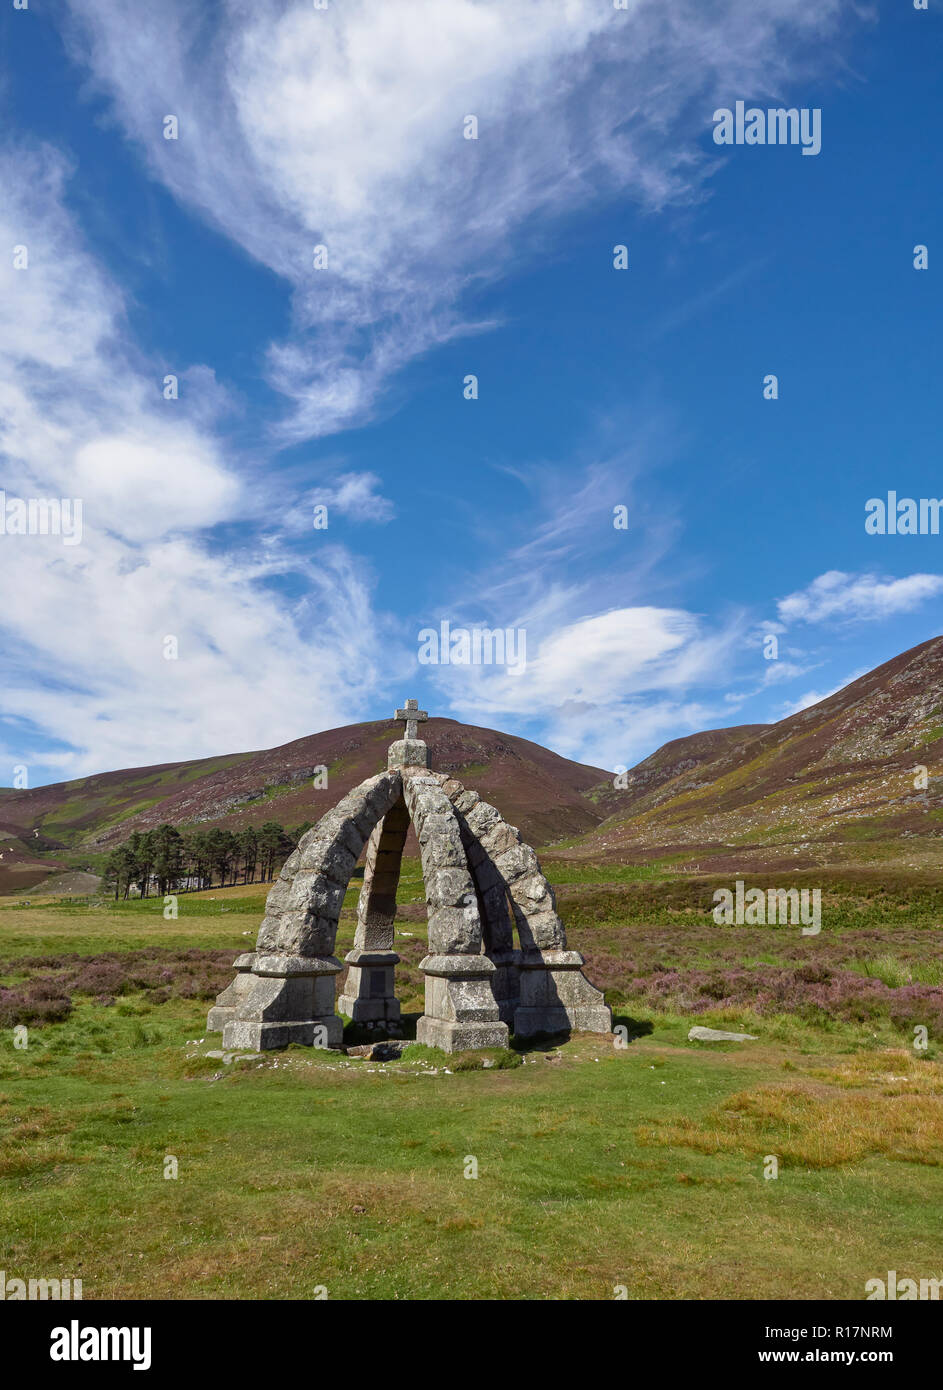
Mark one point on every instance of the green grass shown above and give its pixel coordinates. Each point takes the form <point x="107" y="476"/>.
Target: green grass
<point x="851" y="899"/>
<point x="598" y="1166"/>
<point x="302" y="1171"/>
<point x="83" y="928"/>
<point x="897" y="973"/>
<point x="566" y="871"/>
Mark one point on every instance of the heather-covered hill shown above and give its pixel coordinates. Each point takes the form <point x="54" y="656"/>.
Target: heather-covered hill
<point x="535" y="789"/>
<point x="833" y="783"/>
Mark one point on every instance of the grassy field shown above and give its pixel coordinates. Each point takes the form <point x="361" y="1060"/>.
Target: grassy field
<point x="599" y="1166"/>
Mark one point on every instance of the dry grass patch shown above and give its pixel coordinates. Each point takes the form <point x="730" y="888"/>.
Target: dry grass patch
<point x="893" y="1072"/>
<point x="811" y="1126"/>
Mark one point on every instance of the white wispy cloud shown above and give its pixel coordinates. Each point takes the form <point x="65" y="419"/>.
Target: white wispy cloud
<point x="343" y="127"/>
<point x="862" y="597"/>
<point x="357" y="496"/>
<point x="83" y="626"/>
<point x="606" y="685"/>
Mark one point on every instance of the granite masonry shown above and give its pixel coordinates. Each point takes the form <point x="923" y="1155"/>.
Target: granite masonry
<point x="484" y="888"/>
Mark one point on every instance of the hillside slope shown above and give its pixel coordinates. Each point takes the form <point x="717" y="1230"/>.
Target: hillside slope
<point x="535" y="789"/>
<point x="833" y="783"/>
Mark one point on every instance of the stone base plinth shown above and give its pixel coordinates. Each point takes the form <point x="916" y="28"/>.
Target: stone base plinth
<point x="276" y="1000"/>
<point x="459" y="1037"/>
<point x="368" y="995"/>
<point x="461" y="1010"/>
<point x="327" y="1031"/>
<point x="556" y="996"/>
<point x="227" y="1004"/>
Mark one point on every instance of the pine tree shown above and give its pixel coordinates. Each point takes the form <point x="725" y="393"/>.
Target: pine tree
<point x="168" y="857"/>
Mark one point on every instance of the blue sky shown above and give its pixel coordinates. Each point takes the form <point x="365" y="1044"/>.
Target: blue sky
<point x="448" y="257"/>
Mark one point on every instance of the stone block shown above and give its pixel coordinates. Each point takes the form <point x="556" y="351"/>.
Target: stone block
<point x="387" y="861"/>
<point x="452" y="929"/>
<point x="699" y="1034"/>
<point x="533" y="893"/>
<point x="309" y="934"/>
<point x="460" y="1007"/>
<point x="542" y="930"/>
<point x="482" y="817"/>
<point x="285" y="999"/>
<point x="228" y="1002"/>
<point x="459" y="1037"/>
<point x="506" y="983"/>
<point x="386" y="1051"/>
<point x="263" y="1037"/>
<point x="408" y="752"/>
<point x="352" y="837"/>
<point x="499" y="838"/>
<point x="450" y="887"/>
<point x="270" y="932"/>
<point x="313" y="892"/>
<point x="278" y="895"/>
<point x="486" y="875"/>
<point x="462" y="964"/>
<point x="293" y="861"/>
<point x="368" y="994"/>
<point x="517" y="861"/>
<point x="436" y="823"/>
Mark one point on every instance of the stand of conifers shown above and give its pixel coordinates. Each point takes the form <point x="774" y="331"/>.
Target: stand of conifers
<point x="168" y="860"/>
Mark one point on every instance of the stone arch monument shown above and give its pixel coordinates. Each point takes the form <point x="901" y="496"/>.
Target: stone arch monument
<point x="483" y="885"/>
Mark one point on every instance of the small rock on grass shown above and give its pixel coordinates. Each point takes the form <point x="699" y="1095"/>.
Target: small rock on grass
<point x="717" y="1035"/>
<point x="386" y="1051"/>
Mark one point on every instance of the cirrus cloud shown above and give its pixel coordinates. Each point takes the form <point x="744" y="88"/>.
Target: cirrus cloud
<point x="343" y="128"/>
<point x="863" y="597"/>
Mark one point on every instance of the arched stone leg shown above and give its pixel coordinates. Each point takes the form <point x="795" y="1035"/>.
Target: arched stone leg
<point x="551" y="993"/>
<point x="496" y="922"/>
<point x="287" y="993"/>
<point x="369" y="992"/>
<point x="460" y="1008"/>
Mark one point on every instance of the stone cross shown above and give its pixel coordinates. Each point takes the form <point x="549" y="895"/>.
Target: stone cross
<point x="413" y="716"/>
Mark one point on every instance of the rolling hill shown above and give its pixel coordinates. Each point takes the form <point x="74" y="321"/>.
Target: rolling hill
<point x="833" y="783"/>
<point x="52" y="827"/>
